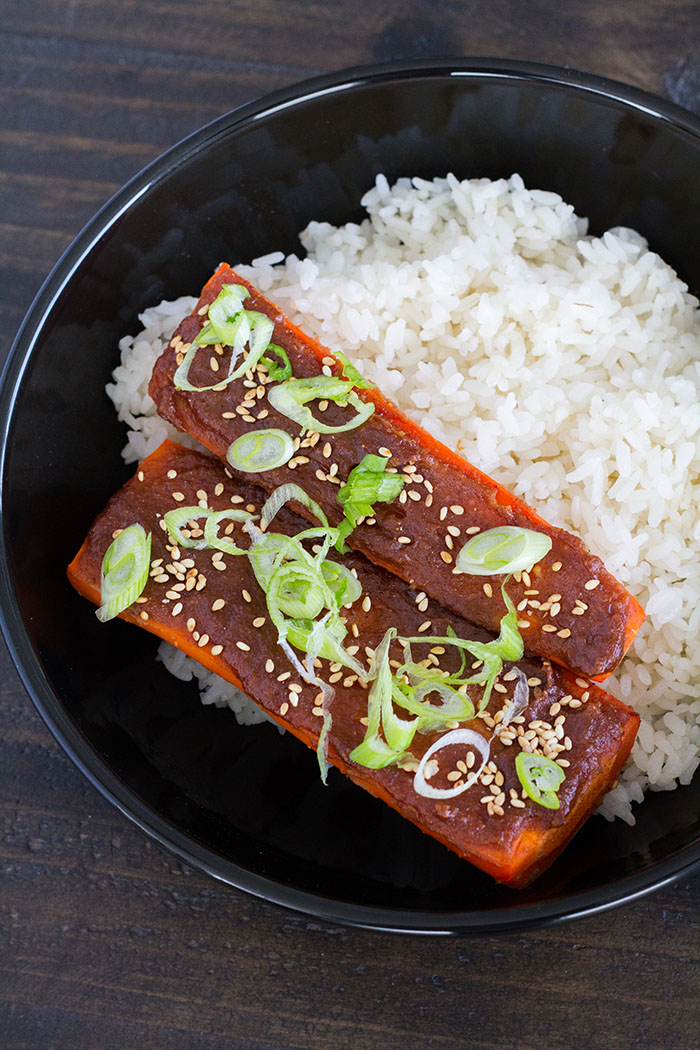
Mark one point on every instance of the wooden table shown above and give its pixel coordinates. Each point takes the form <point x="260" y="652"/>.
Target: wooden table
<point x="107" y="941"/>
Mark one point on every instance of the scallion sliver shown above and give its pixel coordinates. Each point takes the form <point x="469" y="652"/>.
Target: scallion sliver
<point x="505" y="549"/>
<point x="259" y="450"/>
<point x="124" y="572"/>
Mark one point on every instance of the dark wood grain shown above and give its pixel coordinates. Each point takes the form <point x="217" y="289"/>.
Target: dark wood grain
<point x="107" y="941"/>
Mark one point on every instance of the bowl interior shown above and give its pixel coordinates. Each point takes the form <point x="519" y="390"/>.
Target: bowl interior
<point x="247" y="803"/>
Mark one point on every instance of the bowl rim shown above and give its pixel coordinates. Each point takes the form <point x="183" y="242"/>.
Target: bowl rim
<point x="622" y="890"/>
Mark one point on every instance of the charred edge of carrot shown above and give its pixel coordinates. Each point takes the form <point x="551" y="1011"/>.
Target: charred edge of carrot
<point x="635" y="614"/>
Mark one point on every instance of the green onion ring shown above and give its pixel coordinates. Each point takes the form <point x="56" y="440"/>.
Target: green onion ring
<point x="259" y="450"/>
<point x="505" y="549"/>
<point x="540" y="777"/>
<point x="124" y="572"/>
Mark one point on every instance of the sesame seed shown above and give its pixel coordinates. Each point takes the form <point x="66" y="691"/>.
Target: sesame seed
<point x="258" y="621"/>
<point x="549" y="628"/>
<point x="366" y="603"/>
<point x="446" y="557"/>
<point x="456" y="509"/>
<point x="523" y="623"/>
<point x="179" y="497"/>
<point x="415" y="496"/>
<point x="404" y="539"/>
<point x="294" y="687"/>
<point x="177" y="609"/>
<point x="162" y="577"/>
<point x="555" y="609"/>
<point x="556" y="567"/>
<point x="443" y="513"/>
<point x="284" y="676"/>
<point x="171" y="474"/>
<point x="453" y="530"/>
<point x="591" y="585"/>
<point x="581" y="683"/>
<point x="384" y="452"/>
<point x="218" y="604"/>
<point x="564" y="633"/>
<point x="246" y="595"/>
<point x="424" y="626"/>
<point x="143" y="615"/>
<point x="488" y="590"/>
<point x="284" y="708"/>
<point x="242" y="645"/>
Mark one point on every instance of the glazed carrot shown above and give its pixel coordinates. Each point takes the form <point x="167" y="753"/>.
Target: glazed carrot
<point x="221" y="619"/>
<point x="573" y="610"/>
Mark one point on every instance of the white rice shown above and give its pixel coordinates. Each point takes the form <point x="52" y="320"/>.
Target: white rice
<point x="566" y="366"/>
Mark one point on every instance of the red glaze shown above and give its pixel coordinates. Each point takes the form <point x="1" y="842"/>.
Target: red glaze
<point x="597" y="731"/>
<point x="591" y="644"/>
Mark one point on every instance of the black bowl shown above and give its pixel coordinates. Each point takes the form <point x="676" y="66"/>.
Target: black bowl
<point x="247" y="804"/>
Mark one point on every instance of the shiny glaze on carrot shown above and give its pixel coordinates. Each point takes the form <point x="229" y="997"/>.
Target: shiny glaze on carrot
<point x="223" y="622"/>
<point x="573" y="610"/>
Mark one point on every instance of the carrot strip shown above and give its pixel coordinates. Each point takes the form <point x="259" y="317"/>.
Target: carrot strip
<point x="210" y="606"/>
<point x="573" y="610"/>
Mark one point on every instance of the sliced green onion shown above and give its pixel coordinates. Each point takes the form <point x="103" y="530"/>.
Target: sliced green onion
<point x="283" y="494"/>
<point x="176" y="519"/>
<point x="290" y="399"/>
<point x="455" y="736"/>
<point x="345" y="586"/>
<point x="521" y="696"/>
<point x="124" y="571"/>
<point x="275" y="371"/>
<point x="296" y="591"/>
<point x="211" y="530"/>
<point x="221" y="325"/>
<point x="351" y="373"/>
<point x="455" y="706"/>
<point x="259" y="450"/>
<point x="367" y="484"/>
<point x="504" y="549"/>
<point x="247" y="326"/>
<point x="375" y="752"/>
<point x="508" y="646"/>
<point x="332" y="649"/>
<point x="540" y="777"/>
